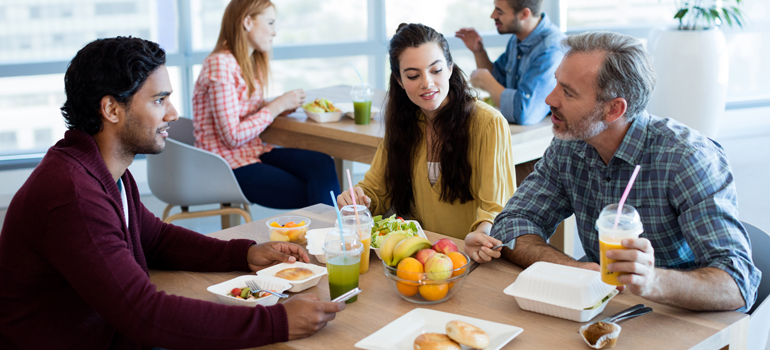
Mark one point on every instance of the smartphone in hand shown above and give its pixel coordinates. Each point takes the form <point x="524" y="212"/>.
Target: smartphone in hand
<point x="349" y="294"/>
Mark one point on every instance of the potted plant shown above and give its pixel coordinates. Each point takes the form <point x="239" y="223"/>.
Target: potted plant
<point x="691" y="62"/>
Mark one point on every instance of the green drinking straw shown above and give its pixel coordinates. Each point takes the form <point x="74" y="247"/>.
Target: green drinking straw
<point x="339" y="217"/>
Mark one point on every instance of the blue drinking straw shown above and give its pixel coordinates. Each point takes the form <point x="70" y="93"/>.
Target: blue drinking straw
<point x="359" y="74"/>
<point x="339" y="217"/>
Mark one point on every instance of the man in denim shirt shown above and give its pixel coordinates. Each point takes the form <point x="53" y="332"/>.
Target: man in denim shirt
<point x="694" y="253"/>
<point x="522" y="77"/>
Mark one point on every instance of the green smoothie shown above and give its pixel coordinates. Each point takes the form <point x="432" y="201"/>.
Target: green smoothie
<point x="362" y="111"/>
<point x="343" y="275"/>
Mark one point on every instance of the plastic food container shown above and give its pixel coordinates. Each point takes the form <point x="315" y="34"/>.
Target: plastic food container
<point x="225" y="287"/>
<point x="315" y="242"/>
<point x="327" y="117"/>
<point x="299" y="285"/>
<point x="561" y="291"/>
<point x="294" y="234"/>
<point x="420" y="233"/>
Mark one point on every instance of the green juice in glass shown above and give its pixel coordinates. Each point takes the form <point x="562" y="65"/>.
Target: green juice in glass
<point x="343" y="275"/>
<point x="362" y="112"/>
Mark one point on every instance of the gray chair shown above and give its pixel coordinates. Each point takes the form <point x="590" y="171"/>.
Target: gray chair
<point x="183" y="175"/>
<point x="759" y="324"/>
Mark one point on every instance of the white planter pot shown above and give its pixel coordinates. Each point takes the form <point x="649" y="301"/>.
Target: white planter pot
<point x="692" y="70"/>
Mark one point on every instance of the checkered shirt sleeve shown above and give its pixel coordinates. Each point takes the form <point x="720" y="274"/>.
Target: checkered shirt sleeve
<point x="227" y="121"/>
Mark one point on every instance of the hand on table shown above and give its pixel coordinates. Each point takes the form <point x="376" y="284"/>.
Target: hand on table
<point x="344" y="198"/>
<point x="478" y="246"/>
<point x="308" y="315"/>
<point x="267" y="254"/>
<point x="482" y="79"/>
<point x="638" y="264"/>
<point x="471" y="39"/>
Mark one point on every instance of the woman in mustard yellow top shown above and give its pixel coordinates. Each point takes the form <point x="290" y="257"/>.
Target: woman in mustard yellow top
<point x="446" y="159"/>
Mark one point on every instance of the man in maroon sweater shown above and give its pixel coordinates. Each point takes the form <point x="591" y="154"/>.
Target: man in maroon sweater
<point x="77" y="242"/>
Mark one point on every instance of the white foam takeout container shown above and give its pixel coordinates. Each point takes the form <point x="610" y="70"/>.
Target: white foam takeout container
<point x="326" y="117"/>
<point x="299" y="285"/>
<point x="225" y="287"/>
<point x="560" y="291"/>
<point x="315" y="242"/>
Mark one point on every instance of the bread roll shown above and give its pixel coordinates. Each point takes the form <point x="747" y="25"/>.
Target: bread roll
<point x="294" y="273"/>
<point x="467" y="334"/>
<point x="435" y="341"/>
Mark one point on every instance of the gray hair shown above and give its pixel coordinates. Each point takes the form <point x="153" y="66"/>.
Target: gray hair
<point x="626" y="72"/>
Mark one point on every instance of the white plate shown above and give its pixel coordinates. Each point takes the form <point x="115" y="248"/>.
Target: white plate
<point x="401" y="333"/>
<point x="347" y="109"/>
<point x="420" y="233"/>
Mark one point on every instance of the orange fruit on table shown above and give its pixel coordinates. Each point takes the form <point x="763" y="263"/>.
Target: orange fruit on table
<point x="406" y="289"/>
<point x="409" y="269"/>
<point x="434" y="292"/>
<point x="458" y="261"/>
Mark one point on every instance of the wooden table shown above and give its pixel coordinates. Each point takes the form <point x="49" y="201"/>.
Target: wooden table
<point x="481" y="297"/>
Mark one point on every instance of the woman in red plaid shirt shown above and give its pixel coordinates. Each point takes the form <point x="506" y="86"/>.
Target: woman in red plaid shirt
<point x="229" y="113"/>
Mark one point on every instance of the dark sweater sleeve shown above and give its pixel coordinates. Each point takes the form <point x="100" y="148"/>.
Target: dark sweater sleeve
<point x="171" y="247"/>
<point x="85" y="242"/>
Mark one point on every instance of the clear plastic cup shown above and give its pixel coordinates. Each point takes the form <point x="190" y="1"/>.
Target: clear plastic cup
<point x="342" y="264"/>
<point x="610" y="238"/>
<point x="362" y="103"/>
<point x="363" y="227"/>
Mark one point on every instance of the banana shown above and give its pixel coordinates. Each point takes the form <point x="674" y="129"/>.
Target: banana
<point x="386" y="249"/>
<point x="408" y="247"/>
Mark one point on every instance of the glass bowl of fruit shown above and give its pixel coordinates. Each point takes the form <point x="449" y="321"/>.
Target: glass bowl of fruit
<point x="288" y="229"/>
<point x="424" y="273"/>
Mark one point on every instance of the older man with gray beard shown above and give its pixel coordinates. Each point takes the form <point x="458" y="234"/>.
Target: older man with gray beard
<point x="694" y="253"/>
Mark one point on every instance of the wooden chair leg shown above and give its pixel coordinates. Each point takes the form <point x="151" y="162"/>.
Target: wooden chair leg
<point x="225" y="218"/>
<point x="199" y="214"/>
<point x="166" y="211"/>
<point x="248" y="211"/>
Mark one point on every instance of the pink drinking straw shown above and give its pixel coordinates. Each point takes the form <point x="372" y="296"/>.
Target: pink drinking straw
<point x="625" y="195"/>
<point x="353" y="196"/>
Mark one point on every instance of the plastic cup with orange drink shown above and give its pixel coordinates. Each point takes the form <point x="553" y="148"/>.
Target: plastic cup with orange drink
<point x="361" y="226"/>
<point x="610" y="236"/>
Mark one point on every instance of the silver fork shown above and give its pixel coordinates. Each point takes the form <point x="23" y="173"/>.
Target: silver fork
<point x="254" y="287"/>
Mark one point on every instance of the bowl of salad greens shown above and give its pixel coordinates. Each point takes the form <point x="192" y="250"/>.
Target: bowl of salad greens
<point x="322" y="111"/>
<point x="384" y="227"/>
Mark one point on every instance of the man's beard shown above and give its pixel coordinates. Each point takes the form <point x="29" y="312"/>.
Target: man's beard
<point x="134" y="139"/>
<point x="587" y="127"/>
<point x="510" y="28"/>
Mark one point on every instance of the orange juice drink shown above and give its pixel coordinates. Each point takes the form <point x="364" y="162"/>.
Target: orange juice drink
<point x="629" y="225"/>
<point x="364" y="267"/>
<point x="362" y="226"/>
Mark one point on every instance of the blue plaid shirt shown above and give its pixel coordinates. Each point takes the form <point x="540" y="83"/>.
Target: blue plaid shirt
<point x="684" y="193"/>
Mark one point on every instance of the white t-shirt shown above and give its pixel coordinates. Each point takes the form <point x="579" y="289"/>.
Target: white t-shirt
<point x="124" y="199"/>
<point x="434" y="169"/>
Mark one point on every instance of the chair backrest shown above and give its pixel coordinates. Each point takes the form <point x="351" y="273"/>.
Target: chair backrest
<point x="185" y="175"/>
<point x="182" y="130"/>
<point x="759" y="325"/>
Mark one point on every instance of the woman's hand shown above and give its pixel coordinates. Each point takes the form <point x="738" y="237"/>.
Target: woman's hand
<point x="344" y="198"/>
<point x="287" y="102"/>
<point x="478" y="246"/>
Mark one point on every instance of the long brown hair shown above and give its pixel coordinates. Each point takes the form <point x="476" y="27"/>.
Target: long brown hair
<point x="451" y="124"/>
<point x="232" y="36"/>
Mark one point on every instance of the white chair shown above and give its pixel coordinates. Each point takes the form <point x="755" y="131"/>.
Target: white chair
<point x="183" y="175"/>
<point x="759" y="324"/>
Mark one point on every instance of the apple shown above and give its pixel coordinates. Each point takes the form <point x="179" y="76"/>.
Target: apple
<point x="438" y="267"/>
<point x="423" y="255"/>
<point x="444" y="246"/>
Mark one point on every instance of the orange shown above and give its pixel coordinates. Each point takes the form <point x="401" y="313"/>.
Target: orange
<point x="434" y="292"/>
<point x="301" y="223"/>
<point x="451" y="284"/>
<point x="409" y="269"/>
<point x="458" y="261"/>
<point x="406" y="289"/>
<point x="290" y="224"/>
<point x="274" y="224"/>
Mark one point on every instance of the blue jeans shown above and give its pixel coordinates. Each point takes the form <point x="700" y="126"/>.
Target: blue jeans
<point x="289" y="178"/>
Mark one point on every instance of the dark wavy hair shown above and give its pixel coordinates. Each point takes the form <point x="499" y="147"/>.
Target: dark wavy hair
<point x="116" y="67"/>
<point x="451" y="124"/>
